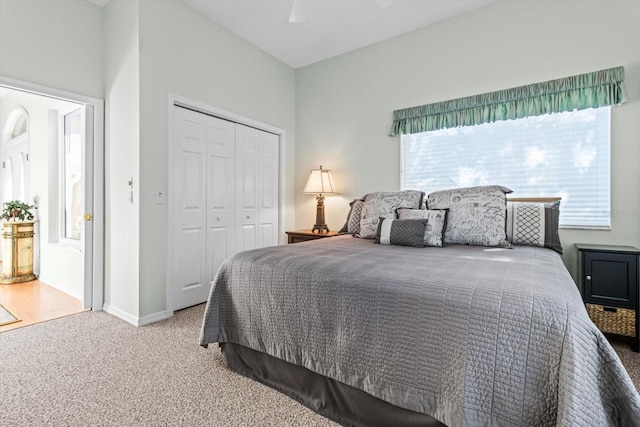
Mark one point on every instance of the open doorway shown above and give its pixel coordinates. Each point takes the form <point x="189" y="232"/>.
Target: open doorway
<point x="48" y="153"/>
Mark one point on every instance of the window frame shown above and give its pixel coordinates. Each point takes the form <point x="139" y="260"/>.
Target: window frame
<point x="62" y="239"/>
<point x="569" y="227"/>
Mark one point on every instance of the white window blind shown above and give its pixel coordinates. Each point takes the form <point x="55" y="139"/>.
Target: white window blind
<point x="564" y="154"/>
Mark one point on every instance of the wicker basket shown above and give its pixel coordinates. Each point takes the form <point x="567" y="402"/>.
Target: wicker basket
<point x="621" y="321"/>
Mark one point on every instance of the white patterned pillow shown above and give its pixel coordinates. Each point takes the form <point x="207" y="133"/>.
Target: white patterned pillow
<point x="383" y="203"/>
<point x="534" y="224"/>
<point x="436" y="223"/>
<point x="477" y="215"/>
<point x="372" y="223"/>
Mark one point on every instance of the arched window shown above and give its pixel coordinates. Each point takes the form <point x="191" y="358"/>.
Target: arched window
<point x="17" y="124"/>
<point x="14" y="156"/>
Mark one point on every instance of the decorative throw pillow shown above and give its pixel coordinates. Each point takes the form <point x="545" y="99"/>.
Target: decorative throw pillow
<point x="384" y="203"/>
<point x="534" y="224"/>
<point x="352" y="225"/>
<point x="372" y="223"/>
<point x="402" y="232"/>
<point x="436" y="223"/>
<point x="477" y="215"/>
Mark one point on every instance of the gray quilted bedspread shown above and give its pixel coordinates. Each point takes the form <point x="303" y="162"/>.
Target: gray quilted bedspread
<point x="469" y="335"/>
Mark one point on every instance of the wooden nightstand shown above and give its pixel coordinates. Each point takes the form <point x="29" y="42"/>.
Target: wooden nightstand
<point x="304" y="235"/>
<point x="609" y="281"/>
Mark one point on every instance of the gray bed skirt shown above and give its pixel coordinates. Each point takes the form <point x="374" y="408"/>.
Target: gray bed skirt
<point x="344" y="404"/>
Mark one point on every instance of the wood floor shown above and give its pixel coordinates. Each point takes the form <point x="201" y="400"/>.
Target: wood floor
<point x="34" y="302"/>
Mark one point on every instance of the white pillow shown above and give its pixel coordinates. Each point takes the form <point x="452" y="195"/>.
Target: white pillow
<point x="436" y="223"/>
<point x="477" y="215"/>
<point x="382" y="204"/>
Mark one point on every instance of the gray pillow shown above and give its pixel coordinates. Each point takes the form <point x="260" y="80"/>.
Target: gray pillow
<point x="534" y="224"/>
<point x="352" y="224"/>
<point x="436" y="223"/>
<point x="402" y="232"/>
<point x="477" y="215"/>
<point x="382" y="204"/>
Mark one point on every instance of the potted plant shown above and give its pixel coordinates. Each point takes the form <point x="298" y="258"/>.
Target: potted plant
<point x="16" y="210"/>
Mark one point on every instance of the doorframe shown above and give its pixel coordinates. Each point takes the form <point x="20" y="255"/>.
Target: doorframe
<point x="175" y="100"/>
<point x="93" y="297"/>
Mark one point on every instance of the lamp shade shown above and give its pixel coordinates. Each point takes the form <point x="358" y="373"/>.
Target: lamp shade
<point x="320" y="182"/>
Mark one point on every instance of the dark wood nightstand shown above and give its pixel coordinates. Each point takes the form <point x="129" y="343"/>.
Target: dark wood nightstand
<point x="609" y="281"/>
<point x="298" y="236"/>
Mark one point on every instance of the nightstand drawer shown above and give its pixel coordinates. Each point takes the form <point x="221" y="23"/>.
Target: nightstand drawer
<point x="610" y="279"/>
<point x="621" y="321"/>
<point x="298" y="236"/>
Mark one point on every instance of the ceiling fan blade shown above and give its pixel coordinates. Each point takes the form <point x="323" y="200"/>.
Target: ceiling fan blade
<point x="298" y="12"/>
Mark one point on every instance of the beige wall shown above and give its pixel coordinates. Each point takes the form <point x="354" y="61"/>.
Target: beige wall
<point x="183" y="53"/>
<point x="53" y="43"/>
<point x="344" y="104"/>
<point x="122" y="158"/>
<point x="132" y="54"/>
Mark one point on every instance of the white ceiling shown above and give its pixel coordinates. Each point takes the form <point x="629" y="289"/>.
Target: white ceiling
<point x="325" y="28"/>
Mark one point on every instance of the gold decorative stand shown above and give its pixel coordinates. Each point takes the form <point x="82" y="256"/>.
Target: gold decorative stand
<point x="17" y="245"/>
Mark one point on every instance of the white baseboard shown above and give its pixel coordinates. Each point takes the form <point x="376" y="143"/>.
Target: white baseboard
<point x="155" y="317"/>
<point x="77" y="294"/>
<point x="137" y="321"/>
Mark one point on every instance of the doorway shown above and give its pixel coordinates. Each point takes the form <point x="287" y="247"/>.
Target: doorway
<point x="61" y="148"/>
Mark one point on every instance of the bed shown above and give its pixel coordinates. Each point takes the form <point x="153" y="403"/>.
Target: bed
<point x="373" y="334"/>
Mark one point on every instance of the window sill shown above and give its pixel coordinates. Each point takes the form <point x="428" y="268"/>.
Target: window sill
<point x="585" y="227"/>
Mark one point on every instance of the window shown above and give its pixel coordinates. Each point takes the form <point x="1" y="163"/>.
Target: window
<point x="563" y="154"/>
<point x="71" y="177"/>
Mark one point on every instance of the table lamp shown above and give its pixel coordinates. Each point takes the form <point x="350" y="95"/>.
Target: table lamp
<point x="320" y="182"/>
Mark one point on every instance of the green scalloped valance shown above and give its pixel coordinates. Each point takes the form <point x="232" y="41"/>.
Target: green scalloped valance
<point x="590" y="90"/>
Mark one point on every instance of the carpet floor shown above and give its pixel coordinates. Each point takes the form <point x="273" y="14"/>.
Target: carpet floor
<point x="94" y="369"/>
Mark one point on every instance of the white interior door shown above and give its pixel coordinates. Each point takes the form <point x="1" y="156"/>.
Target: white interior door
<point x="204" y="193"/>
<point x="257" y="154"/>
<point x="269" y="155"/>
<point x="220" y="193"/>
<point x="88" y="208"/>
<point x="247" y="158"/>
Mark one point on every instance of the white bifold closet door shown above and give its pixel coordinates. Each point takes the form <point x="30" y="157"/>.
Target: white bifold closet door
<point x="225" y="198"/>
<point x="256" y="188"/>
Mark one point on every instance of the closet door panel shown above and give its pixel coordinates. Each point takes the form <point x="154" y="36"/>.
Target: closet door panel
<point x="190" y="225"/>
<point x="220" y="192"/>
<point x="268" y="189"/>
<point x="247" y="143"/>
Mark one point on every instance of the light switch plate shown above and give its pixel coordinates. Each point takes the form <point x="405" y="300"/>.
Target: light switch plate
<point x="160" y="198"/>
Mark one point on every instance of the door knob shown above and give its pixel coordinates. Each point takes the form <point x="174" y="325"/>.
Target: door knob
<point x="248" y="216"/>
<point x="218" y="218"/>
<point x="588" y="277"/>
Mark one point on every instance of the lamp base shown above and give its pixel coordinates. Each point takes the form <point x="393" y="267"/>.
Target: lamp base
<point x="320" y="225"/>
<point x="320" y="228"/>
